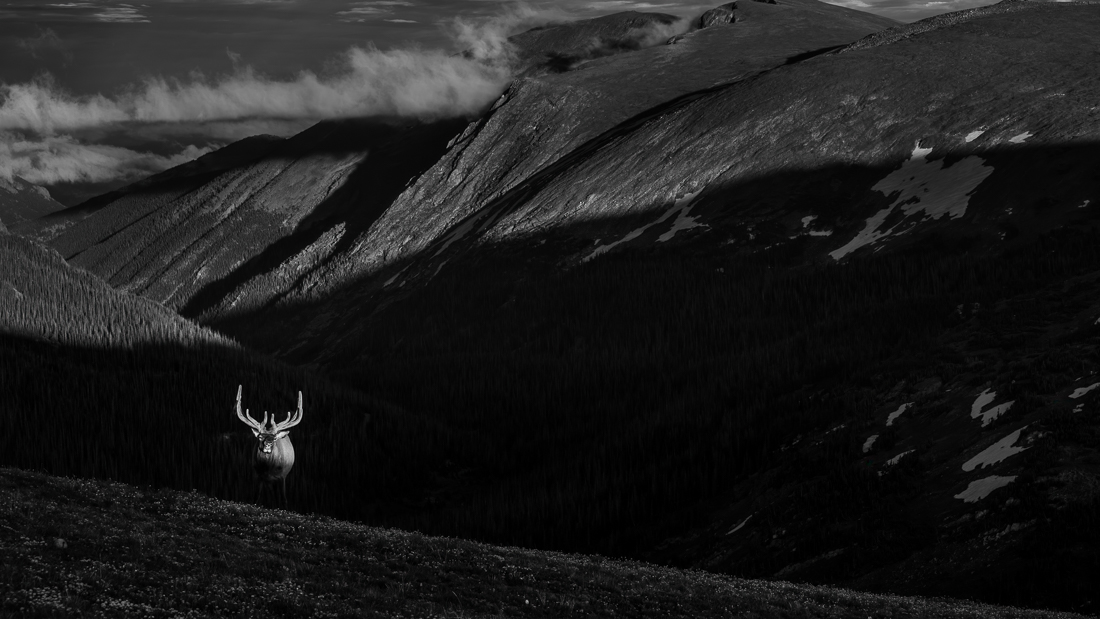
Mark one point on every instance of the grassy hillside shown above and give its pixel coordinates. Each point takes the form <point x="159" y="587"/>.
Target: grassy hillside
<point x="102" y="383"/>
<point x="114" y="550"/>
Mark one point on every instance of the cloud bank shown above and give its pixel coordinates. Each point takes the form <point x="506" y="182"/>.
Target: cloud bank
<point x="48" y="135"/>
<point x="62" y="159"/>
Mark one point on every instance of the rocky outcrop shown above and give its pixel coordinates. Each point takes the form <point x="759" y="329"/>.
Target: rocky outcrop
<point x="719" y="16"/>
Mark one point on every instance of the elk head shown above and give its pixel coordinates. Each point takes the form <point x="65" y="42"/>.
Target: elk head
<point x="274" y="454"/>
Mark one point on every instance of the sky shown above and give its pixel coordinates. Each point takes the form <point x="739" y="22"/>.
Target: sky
<point x="98" y="93"/>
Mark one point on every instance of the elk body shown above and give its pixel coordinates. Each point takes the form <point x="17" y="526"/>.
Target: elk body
<point x="274" y="454"/>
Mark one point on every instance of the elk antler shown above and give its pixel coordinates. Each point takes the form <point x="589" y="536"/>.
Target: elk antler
<point x="247" y="418"/>
<point x="292" y="419"/>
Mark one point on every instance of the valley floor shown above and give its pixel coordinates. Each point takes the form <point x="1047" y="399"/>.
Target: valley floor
<point x="90" y="548"/>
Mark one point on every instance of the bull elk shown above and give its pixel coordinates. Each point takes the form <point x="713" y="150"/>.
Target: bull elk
<point x="274" y="454"/>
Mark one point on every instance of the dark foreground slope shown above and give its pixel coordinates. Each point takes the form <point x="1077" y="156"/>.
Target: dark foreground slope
<point x="109" y="550"/>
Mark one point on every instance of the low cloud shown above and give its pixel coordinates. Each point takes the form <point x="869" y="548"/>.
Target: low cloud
<point x="48" y="135"/>
<point x="64" y="159"/>
<point x="486" y="40"/>
<point x="395" y="82"/>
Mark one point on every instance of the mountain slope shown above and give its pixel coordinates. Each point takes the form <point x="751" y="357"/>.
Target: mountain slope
<point x="102" y="383"/>
<point x="392" y="191"/>
<point x="674" y="337"/>
<point x="21" y="201"/>
<point x="539" y="120"/>
<point x="110" y="549"/>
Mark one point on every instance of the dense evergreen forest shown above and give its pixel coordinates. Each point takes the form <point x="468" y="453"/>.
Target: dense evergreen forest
<point x="578" y="409"/>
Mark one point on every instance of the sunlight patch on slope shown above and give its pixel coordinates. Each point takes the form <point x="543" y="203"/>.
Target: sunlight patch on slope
<point x="978" y="490"/>
<point x="988" y="415"/>
<point x="922" y="187"/>
<point x="997" y="452"/>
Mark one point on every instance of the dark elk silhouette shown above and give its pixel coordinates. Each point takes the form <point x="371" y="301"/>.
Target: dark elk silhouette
<point x="274" y="455"/>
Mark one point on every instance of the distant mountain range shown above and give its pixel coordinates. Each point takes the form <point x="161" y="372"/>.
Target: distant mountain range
<point x="21" y="201"/>
<point x="792" y="292"/>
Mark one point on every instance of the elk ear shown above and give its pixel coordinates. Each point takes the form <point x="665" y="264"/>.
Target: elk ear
<point x="255" y="432"/>
<point x="281" y="434"/>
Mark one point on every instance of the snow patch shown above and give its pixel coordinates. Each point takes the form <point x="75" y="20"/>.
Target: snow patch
<point x="894" y="415"/>
<point x="988" y="415"/>
<point x="978" y="490"/>
<point x="737" y="528"/>
<point x="897" y="458"/>
<point x="394" y="278"/>
<point x="973" y="135"/>
<point x="683" y="220"/>
<point x="1085" y="204"/>
<point x="807" y="220"/>
<point x="997" y="452"/>
<point x="1021" y="138"/>
<point x="680" y="208"/>
<point x="1080" y="392"/>
<point x="869" y="443"/>
<point x="922" y="187"/>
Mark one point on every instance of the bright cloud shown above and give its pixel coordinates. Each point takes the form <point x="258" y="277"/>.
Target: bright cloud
<point x="63" y="159"/>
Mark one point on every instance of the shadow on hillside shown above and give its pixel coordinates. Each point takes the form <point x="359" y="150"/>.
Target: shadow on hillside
<point x="398" y="152"/>
<point x="766" y="214"/>
<point x="608" y="396"/>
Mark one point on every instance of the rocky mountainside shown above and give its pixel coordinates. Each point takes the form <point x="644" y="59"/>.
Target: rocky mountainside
<point x="802" y="294"/>
<point x="21" y="201"/>
<point x="347" y="216"/>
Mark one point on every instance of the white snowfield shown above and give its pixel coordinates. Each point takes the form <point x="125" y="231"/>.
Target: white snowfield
<point x="869" y="442"/>
<point x="921" y="186"/>
<point x="973" y="135"/>
<point x="1081" y="392"/>
<point x="988" y="415"/>
<point x="894" y="415"/>
<point x="978" y="490"/>
<point x="997" y="452"/>
<point x="1021" y="138"/>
